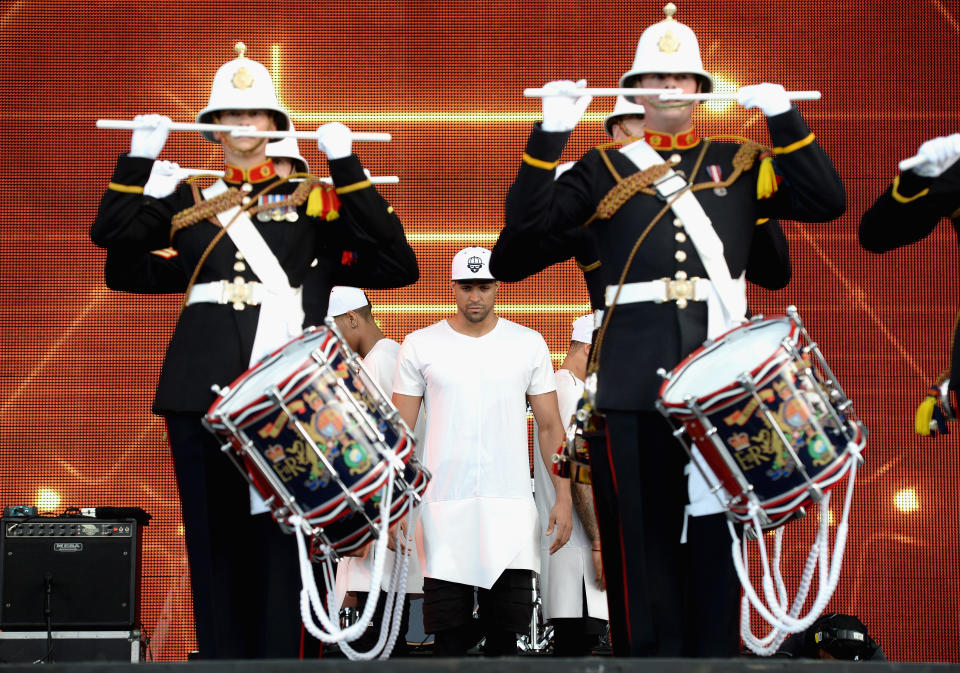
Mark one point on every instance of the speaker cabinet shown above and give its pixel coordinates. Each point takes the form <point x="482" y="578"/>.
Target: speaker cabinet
<point x="68" y="573"/>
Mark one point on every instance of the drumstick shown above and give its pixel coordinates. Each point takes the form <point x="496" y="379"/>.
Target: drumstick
<point x="576" y="92"/>
<point x="190" y="172"/>
<point x="732" y="95"/>
<point x="130" y="125"/>
<point x="233" y="129"/>
<point x="310" y="135"/>
<point x="376" y="179"/>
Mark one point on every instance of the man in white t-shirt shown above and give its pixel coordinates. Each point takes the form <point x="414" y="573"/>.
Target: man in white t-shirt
<point x="475" y="372"/>
<point x="571" y="580"/>
<point x="353" y="315"/>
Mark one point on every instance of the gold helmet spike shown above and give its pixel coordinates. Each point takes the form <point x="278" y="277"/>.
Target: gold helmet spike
<point x="241" y="49"/>
<point x="669" y="10"/>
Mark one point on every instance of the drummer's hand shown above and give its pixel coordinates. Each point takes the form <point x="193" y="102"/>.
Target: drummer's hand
<point x="335" y="140"/>
<point x="397" y="534"/>
<point x="598" y="566"/>
<point x="561" y="521"/>
<point x="562" y="112"/>
<point x="771" y="99"/>
<point x="164" y="177"/>
<point x="147" y="142"/>
<point x="938" y="155"/>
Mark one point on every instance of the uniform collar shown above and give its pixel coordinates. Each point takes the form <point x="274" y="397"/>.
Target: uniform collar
<point x="235" y="175"/>
<point x="668" y="141"/>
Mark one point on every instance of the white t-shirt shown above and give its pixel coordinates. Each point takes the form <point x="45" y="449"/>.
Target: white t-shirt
<point x="478" y="516"/>
<point x="353" y="572"/>
<point x="568" y="573"/>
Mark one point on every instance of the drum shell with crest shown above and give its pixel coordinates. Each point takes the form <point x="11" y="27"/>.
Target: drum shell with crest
<point x="736" y="399"/>
<point x="312" y="397"/>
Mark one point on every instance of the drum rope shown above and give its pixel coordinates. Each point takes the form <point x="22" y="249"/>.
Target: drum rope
<point x="782" y="622"/>
<point x="392" y="610"/>
<point x="309" y="595"/>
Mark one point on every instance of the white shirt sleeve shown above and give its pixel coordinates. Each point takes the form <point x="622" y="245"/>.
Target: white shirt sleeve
<point x="408" y="379"/>
<point x="542" y="379"/>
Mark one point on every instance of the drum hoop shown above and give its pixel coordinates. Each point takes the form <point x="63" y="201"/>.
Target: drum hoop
<point x="363" y="489"/>
<point x="215" y="412"/>
<point x="702" y="351"/>
<point x="733" y="392"/>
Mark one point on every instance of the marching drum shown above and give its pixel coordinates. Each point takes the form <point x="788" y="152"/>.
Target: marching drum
<point x="317" y="438"/>
<point x="767" y="415"/>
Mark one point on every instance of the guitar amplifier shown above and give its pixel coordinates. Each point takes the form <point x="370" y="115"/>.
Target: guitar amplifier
<point x="71" y="572"/>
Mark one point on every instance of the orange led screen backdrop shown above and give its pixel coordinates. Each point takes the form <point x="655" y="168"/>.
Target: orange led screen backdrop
<point x="78" y="362"/>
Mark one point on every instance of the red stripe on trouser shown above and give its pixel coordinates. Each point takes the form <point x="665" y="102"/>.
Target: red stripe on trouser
<point x="623" y="557"/>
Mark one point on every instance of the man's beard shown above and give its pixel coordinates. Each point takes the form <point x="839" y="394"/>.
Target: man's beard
<point x="476" y="318"/>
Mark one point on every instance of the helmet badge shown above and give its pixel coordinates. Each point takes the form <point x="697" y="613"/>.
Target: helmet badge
<point x="242" y="79"/>
<point x="669" y="44"/>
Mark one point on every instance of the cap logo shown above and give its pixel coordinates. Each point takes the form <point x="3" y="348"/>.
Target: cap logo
<point x="242" y="79"/>
<point x="668" y="43"/>
<point x="474" y="264"/>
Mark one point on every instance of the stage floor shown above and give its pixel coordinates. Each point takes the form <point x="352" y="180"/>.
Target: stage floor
<point x="525" y="664"/>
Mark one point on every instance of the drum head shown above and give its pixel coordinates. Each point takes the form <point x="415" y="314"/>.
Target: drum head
<point x="742" y="350"/>
<point x="275" y="370"/>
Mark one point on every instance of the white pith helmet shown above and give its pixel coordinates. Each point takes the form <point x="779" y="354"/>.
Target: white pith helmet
<point x="621" y="108"/>
<point x="669" y="47"/>
<point x="242" y="84"/>
<point x="288" y="148"/>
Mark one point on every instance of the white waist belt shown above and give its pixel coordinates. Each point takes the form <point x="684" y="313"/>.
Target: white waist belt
<point x="658" y="291"/>
<point x="664" y="289"/>
<point x="238" y="292"/>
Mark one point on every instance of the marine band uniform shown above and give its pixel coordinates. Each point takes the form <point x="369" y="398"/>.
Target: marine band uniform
<point x="254" y="284"/>
<point x="664" y="599"/>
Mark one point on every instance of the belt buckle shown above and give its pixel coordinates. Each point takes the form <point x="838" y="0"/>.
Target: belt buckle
<point x="239" y="293"/>
<point x="680" y="290"/>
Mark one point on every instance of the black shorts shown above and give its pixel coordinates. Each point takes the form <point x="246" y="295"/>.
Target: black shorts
<point x="508" y="604"/>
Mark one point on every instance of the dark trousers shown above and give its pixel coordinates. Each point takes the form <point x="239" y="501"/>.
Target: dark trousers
<point x="576" y="636"/>
<point x="505" y="610"/>
<point x="244" y="570"/>
<point x="665" y="599"/>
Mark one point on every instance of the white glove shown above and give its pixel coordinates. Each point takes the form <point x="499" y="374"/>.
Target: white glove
<point x="147" y="142"/>
<point x="938" y="155"/>
<point x="560" y="111"/>
<point x="335" y="140"/>
<point x="164" y="177"/>
<point x="770" y="98"/>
